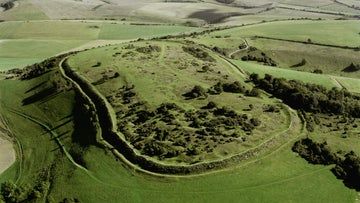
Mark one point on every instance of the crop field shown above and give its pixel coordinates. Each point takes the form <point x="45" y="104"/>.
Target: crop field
<point x="24" y="43"/>
<point x="333" y="32"/>
<point x="179" y="101"/>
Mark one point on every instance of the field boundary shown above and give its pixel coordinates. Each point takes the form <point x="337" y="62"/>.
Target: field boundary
<point x="310" y="43"/>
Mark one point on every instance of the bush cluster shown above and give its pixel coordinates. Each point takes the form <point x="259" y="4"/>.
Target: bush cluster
<point x="198" y="53"/>
<point x="310" y="97"/>
<point x="263" y="59"/>
<point x="196" y="92"/>
<point x="352" y="68"/>
<point x="148" y="49"/>
<point x="234" y="87"/>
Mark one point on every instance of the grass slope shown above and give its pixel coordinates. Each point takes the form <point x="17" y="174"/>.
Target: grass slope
<point x="281" y="177"/>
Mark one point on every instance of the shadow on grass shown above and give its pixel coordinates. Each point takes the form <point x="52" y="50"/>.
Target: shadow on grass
<point x="40" y="96"/>
<point x="35" y="87"/>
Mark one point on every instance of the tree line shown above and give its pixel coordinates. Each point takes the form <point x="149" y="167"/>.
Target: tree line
<point x="346" y="168"/>
<point x="310" y="97"/>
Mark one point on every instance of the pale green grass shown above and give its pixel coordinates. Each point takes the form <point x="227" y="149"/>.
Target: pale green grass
<point x="319" y="79"/>
<point x="23" y="43"/>
<point x="350" y="84"/>
<point x="119" y="31"/>
<point x="59" y="30"/>
<point x="19" y="53"/>
<point x="328" y="32"/>
<point x="24" y="11"/>
<point x="329" y="60"/>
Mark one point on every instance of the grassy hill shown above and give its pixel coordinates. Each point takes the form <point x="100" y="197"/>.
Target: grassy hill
<point x="180" y="101"/>
<point x="42" y="120"/>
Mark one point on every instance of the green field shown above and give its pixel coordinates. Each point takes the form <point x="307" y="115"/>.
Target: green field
<point x="24" y="43"/>
<point x="333" y="32"/>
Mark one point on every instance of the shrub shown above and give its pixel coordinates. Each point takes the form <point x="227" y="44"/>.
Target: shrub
<point x="98" y="64"/>
<point x="315" y="153"/>
<point x="196" y="92"/>
<point x="210" y="105"/>
<point x="352" y="68"/>
<point x="198" y="53"/>
<point x="148" y="49"/>
<point x="234" y="87"/>
<point x="318" y="71"/>
<point x="255" y="92"/>
<point x="301" y="63"/>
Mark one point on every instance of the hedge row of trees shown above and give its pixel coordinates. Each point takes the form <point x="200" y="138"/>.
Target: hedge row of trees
<point x="37" y="69"/>
<point x="148" y="49"/>
<point x="263" y="59"/>
<point x="347" y="168"/>
<point x="12" y="193"/>
<point x="235" y="87"/>
<point x="198" y="53"/>
<point x="310" y="97"/>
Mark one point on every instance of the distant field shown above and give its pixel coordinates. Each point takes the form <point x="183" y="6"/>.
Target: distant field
<point x="275" y="14"/>
<point x="324" y="80"/>
<point x="351" y="84"/>
<point x="17" y="53"/>
<point x="120" y="32"/>
<point x="329" y="60"/>
<point x="23" y="43"/>
<point x="332" y="32"/>
<point x="24" y="10"/>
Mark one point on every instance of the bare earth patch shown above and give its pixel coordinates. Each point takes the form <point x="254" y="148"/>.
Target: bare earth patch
<point x="7" y="152"/>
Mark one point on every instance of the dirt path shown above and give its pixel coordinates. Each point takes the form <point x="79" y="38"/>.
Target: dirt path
<point x="240" y="50"/>
<point x="338" y="83"/>
<point x="7" y="151"/>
